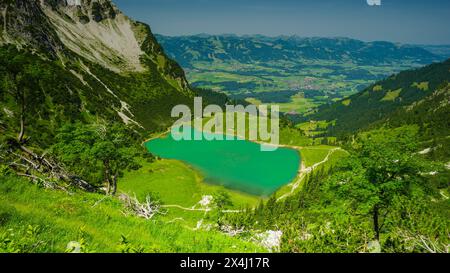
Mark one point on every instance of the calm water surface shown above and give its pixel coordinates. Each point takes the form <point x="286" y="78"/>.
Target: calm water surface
<point x="235" y="164"/>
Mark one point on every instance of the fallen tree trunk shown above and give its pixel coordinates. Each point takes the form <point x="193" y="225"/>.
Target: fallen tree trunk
<point x="26" y="161"/>
<point x="47" y="184"/>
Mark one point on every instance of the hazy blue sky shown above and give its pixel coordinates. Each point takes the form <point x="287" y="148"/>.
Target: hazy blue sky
<point x="406" y="21"/>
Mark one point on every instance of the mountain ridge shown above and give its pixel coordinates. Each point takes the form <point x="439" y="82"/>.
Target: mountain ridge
<point x="378" y="102"/>
<point x="105" y="51"/>
<point x="305" y="42"/>
<point x="297" y="73"/>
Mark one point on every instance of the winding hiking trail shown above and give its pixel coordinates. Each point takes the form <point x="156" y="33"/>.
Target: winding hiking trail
<point x="307" y="170"/>
<point x="183" y="208"/>
<point x="193" y="209"/>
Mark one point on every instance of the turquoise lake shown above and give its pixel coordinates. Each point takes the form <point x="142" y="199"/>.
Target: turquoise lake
<point x="235" y="164"/>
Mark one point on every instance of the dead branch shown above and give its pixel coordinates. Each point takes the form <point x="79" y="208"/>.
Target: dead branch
<point x="46" y="184"/>
<point x="146" y="210"/>
<point x="99" y="201"/>
<point x="16" y="164"/>
<point x="423" y="242"/>
<point x="231" y="231"/>
<point x="29" y="161"/>
<point x="80" y="183"/>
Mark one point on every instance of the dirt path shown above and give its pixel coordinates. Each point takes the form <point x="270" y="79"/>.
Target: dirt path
<point x="158" y="135"/>
<point x="183" y="208"/>
<point x="305" y="171"/>
<point x="204" y="210"/>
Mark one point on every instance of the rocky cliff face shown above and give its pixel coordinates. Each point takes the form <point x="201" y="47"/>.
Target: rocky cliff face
<point x="115" y="59"/>
<point x="97" y="31"/>
<point x="94" y="29"/>
<point x="84" y="10"/>
<point x="25" y="24"/>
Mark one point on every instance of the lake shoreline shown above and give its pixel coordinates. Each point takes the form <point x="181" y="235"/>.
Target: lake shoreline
<point x="250" y="170"/>
<point x="298" y="149"/>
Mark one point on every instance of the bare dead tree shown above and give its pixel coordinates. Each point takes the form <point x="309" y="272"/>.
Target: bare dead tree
<point x="44" y="182"/>
<point x="147" y="209"/>
<point x="232" y="231"/>
<point x="20" y="96"/>
<point x="22" y="99"/>
<point x="40" y="169"/>
<point x="423" y="242"/>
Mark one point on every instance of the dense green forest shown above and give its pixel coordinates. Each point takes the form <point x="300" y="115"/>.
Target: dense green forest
<point x="383" y="197"/>
<point x="379" y="100"/>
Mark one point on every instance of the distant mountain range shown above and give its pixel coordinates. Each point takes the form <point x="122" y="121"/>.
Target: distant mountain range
<point x="257" y="48"/>
<point x="298" y="73"/>
<point x="442" y="51"/>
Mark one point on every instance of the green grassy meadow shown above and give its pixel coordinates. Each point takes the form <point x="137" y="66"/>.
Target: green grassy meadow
<point x="36" y="220"/>
<point x="177" y="184"/>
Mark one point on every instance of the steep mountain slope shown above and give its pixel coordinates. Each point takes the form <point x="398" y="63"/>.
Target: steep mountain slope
<point x="25" y="24"/>
<point x="383" y="98"/>
<point x="432" y="115"/>
<point x="83" y="68"/>
<point x="297" y="73"/>
<point x="432" y="112"/>
<point x="88" y="57"/>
